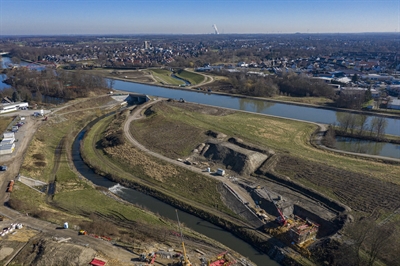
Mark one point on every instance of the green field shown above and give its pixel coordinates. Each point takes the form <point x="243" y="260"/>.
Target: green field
<point x="131" y="164"/>
<point x="282" y="135"/>
<point x="164" y="77"/>
<point x="192" y="77"/>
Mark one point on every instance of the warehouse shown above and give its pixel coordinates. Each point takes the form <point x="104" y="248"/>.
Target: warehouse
<point x="9" y="107"/>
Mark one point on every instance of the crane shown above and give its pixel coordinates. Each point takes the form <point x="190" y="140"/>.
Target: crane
<point x="215" y="29"/>
<point x="281" y="218"/>
<point x="186" y="261"/>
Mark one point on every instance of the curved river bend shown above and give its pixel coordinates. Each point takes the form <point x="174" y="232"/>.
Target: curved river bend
<point x="168" y="211"/>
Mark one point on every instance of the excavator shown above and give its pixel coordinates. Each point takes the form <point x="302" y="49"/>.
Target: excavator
<point x="185" y="261"/>
<point x="221" y="260"/>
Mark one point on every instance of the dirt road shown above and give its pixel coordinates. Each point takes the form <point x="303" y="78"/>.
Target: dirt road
<point x="137" y="114"/>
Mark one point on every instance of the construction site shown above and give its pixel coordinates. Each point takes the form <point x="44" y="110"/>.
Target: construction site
<point x="252" y="188"/>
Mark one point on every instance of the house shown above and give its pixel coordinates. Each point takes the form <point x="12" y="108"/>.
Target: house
<point x="394" y="103"/>
<point x="6" y="100"/>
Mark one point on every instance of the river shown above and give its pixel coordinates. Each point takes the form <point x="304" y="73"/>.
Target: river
<point x="305" y="113"/>
<point x="165" y="210"/>
<point x="368" y="147"/>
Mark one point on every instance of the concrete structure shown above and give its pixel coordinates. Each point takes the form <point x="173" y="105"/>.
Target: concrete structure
<point x="137" y="98"/>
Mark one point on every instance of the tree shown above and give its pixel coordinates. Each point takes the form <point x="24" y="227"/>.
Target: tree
<point x="15" y="96"/>
<point x="361" y="123"/>
<point x="376" y="240"/>
<point x="381" y="125"/>
<point x="354" y="78"/>
<point x="368" y="95"/>
<point x="344" y="120"/>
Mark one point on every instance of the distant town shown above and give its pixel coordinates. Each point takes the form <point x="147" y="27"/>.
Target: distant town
<point x="351" y="63"/>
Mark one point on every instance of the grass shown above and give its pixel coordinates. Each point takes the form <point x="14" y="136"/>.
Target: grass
<point x="307" y="100"/>
<point x="91" y="200"/>
<point x="4" y="122"/>
<point x="131" y="164"/>
<point x="282" y="135"/>
<point x="164" y="77"/>
<point x="192" y="77"/>
<point x="71" y="190"/>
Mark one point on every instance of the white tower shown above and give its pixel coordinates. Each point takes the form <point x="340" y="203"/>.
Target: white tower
<point x="215" y="29"/>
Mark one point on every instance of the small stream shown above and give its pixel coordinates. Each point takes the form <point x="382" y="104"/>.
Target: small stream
<point x="165" y="210"/>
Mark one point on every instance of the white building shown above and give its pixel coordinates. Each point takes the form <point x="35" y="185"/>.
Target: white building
<point x="9" y="107"/>
<point x="394" y="103"/>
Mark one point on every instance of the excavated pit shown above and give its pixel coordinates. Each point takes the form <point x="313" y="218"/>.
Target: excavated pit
<point x="235" y="158"/>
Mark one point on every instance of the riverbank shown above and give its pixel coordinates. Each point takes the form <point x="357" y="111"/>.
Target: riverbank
<point x="241" y="229"/>
<point x="195" y="88"/>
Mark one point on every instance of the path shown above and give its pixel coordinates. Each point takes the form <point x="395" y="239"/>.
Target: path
<point x="137" y="114"/>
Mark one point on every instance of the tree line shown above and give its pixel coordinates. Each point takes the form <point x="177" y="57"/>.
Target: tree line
<point x="360" y="125"/>
<point x="31" y="85"/>
<point x="267" y="86"/>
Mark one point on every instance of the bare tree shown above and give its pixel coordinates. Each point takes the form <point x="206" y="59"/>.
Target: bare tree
<point x="381" y="127"/>
<point x="361" y="123"/>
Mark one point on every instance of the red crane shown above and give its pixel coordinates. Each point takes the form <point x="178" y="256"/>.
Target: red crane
<point x="281" y="218"/>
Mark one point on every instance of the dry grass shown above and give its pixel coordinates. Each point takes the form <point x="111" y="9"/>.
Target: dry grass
<point x="22" y="235"/>
<point x="4" y="122"/>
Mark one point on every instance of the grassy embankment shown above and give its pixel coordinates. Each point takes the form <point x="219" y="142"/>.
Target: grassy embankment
<point x="192" y="77"/>
<point x="130" y="164"/>
<point x="286" y="137"/>
<point x="184" y="189"/>
<point x="163" y="76"/>
<point x="75" y="198"/>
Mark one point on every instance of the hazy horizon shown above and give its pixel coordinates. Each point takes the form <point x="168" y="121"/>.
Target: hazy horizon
<point x="171" y="17"/>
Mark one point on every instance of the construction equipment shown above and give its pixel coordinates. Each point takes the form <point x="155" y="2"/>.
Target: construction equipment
<point x="281" y="219"/>
<point x="186" y="261"/>
<point x="82" y="232"/>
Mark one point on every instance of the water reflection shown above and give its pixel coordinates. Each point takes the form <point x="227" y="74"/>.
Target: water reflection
<point x="369" y="147"/>
<point x="256" y="105"/>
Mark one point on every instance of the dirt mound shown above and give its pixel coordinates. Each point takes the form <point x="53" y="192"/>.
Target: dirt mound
<point x="235" y="158"/>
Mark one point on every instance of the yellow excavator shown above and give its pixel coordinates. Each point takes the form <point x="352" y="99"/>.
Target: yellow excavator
<point x="185" y="261"/>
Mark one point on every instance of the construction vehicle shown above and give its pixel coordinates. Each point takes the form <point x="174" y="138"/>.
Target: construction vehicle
<point x="185" y="261"/>
<point x="150" y="258"/>
<point x="221" y="260"/>
<point x="82" y="232"/>
<point x="281" y="219"/>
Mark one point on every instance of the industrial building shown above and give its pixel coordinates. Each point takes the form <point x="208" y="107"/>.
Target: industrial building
<point x="9" y="107"/>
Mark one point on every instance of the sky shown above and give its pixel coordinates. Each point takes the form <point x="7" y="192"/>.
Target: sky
<point x="64" y="17"/>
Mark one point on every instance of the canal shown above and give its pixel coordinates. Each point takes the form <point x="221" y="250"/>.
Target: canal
<point x="165" y="210"/>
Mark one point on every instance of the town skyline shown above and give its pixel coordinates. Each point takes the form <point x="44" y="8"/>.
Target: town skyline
<point x="48" y="17"/>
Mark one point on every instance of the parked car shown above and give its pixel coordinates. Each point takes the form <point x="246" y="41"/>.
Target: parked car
<point x="3" y="168"/>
